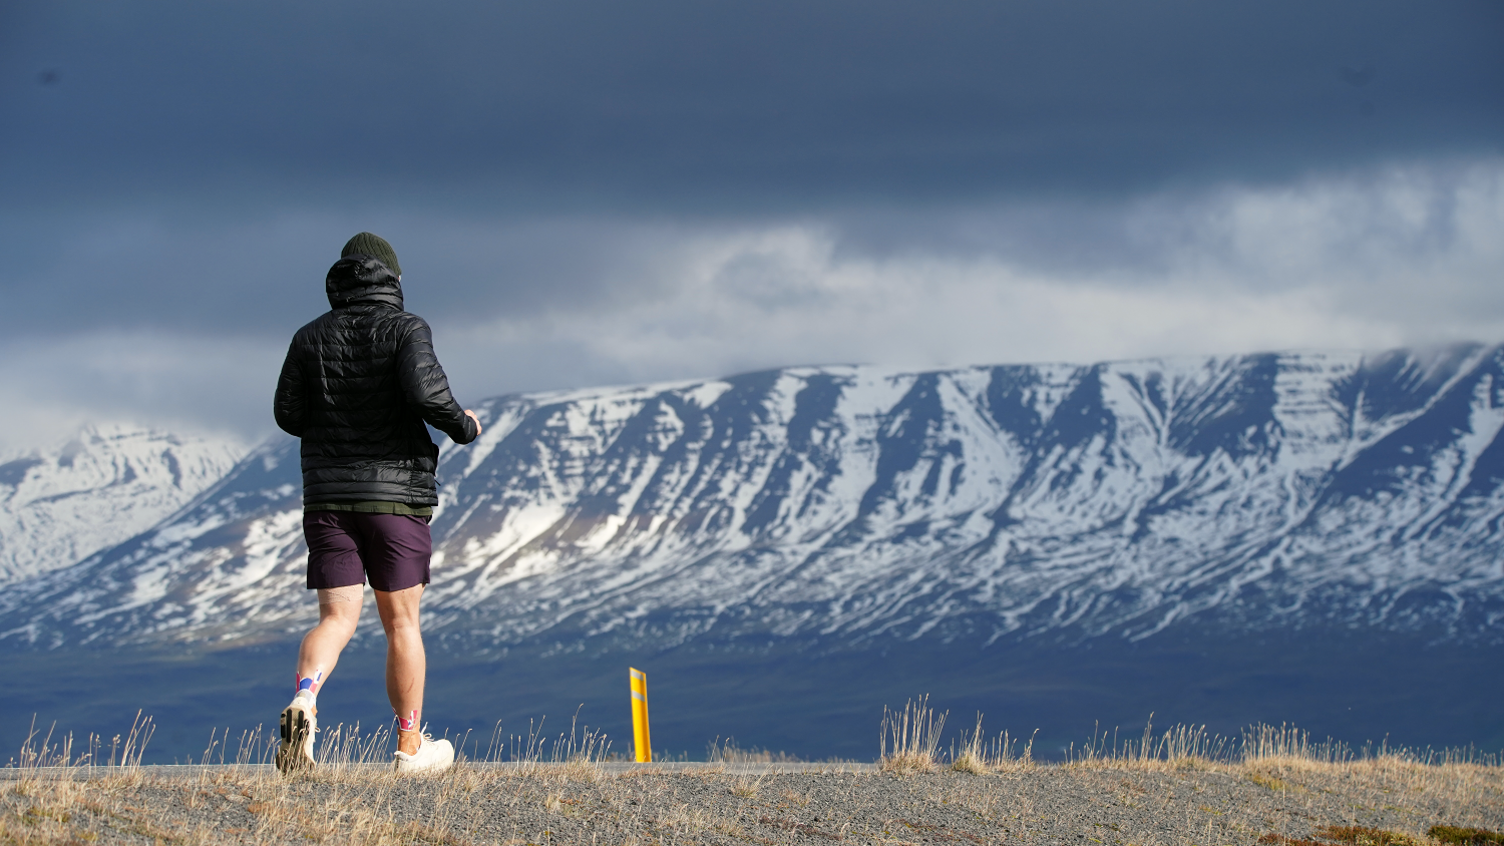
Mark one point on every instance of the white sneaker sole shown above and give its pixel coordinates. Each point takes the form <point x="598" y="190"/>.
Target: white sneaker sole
<point x="298" y="725"/>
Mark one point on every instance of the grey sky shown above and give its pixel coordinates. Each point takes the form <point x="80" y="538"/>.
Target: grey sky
<point x="587" y="192"/>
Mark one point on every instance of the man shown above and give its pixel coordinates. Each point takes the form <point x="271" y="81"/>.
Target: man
<point x="357" y="386"/>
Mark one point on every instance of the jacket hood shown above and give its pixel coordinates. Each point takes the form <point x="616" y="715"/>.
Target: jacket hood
<point x="362" y="280"/>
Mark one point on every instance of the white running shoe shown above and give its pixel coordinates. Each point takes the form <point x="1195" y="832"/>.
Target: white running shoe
<point x="432" y="756"/>
<point x="299" y="723"/>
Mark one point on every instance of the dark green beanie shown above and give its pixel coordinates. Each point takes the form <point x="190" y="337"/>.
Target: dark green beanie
<point x="374" y="246"/>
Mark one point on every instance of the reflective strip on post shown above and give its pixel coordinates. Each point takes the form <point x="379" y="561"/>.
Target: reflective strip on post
<point x="642" y="743"/>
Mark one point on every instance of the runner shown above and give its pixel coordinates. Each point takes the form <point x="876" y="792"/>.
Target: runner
<point x="357" y="386"/>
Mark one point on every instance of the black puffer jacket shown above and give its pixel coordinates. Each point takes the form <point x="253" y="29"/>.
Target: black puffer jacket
<point x="357" y="385"/>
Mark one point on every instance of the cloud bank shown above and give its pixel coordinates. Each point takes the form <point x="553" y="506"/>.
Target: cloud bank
<point x="584" y="192"/>
<point x="1402" y="255"/>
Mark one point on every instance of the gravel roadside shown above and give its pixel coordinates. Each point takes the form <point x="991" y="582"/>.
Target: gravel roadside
<point x="1193" y="803"/>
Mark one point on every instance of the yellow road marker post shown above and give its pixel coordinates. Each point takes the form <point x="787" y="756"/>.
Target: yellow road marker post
<point x="642" y="743"/>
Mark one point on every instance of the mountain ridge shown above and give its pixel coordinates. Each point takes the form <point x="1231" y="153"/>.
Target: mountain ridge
<point x="65" y="502"/>
<point x="855" y="503"/>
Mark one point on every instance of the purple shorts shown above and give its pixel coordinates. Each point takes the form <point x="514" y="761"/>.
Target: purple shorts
<point x="347" y="547"/>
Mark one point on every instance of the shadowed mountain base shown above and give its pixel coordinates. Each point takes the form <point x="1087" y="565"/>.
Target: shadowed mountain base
<point x="1352" y="686"/>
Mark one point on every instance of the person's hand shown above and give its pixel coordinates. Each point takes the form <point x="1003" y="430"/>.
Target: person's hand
<point x="470" y="414"/>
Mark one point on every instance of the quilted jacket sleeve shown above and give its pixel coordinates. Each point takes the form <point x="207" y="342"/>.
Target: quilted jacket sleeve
<point x="290" y="406"/>
<point x="426" y="387"/>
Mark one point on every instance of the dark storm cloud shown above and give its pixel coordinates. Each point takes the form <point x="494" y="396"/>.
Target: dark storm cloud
<point x="172" y="164"/>
<point x="729" y="105"/>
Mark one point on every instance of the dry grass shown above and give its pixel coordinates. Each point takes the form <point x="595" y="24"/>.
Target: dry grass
<point x="1380" y="801"/>
<point x="352" y="795"/>
<point x="1179" y="787"/>
<point x="978" y="755"/>
<point x="911" y="738"/>
<point x="1179" y="746"/>
<point x="1466" y="836"/>
<point x="473" y="805"/>
<point x="727" y="752"/>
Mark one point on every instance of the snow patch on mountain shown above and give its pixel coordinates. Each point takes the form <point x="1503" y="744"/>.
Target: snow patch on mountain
<point x="855" y="503"/>
<point x="101" y="487"/>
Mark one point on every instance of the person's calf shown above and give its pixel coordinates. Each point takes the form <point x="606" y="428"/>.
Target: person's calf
<point x="339" y="611"/>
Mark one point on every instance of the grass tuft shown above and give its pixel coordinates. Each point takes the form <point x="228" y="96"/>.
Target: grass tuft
<point x="1344" y="835"/>
<point x="726" y="751"/>
<point x="1466" y="836"/>
<point x="910" y="738"/>
<point x="1357" y="835"/>
<point x="978" y="755"/>
<point x="972" y="755"/>
<point x="1274" y="783"/>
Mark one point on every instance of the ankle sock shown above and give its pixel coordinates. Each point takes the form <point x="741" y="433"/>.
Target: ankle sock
<point x="308" y="686"/>
<point x="406" y="724"/>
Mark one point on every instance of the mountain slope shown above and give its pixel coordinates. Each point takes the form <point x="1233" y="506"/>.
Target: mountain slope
<point x="848" y="504"/>
<point x="105" y="485"/>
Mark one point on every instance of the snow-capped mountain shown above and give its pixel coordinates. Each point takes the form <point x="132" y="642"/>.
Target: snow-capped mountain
<point x="857" y="503"/>
<point x="102" y="487"/>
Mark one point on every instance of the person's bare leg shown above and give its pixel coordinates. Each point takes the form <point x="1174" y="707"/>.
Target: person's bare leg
<point x="339" y="611"/>
<point x="406" y="663"/>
